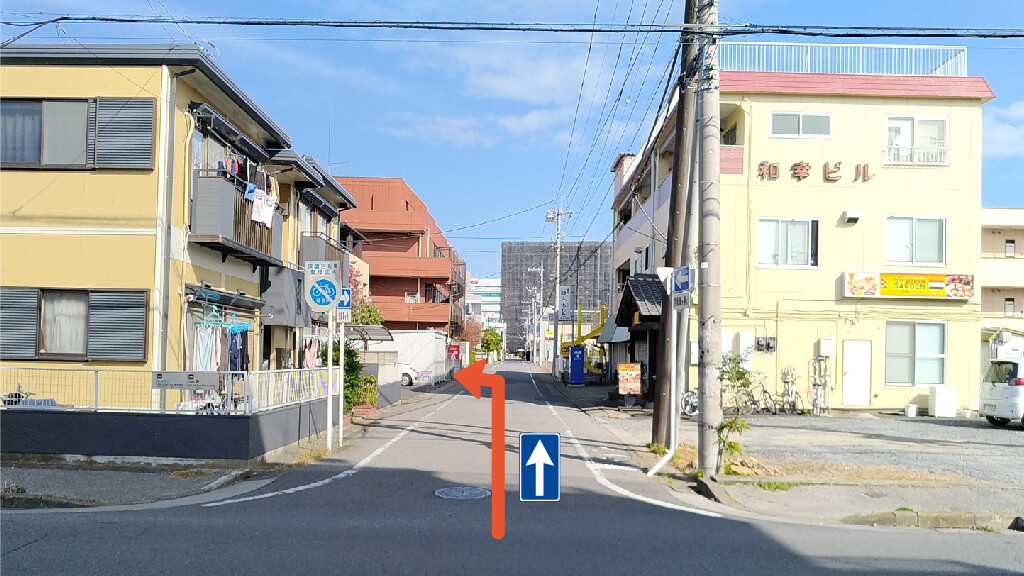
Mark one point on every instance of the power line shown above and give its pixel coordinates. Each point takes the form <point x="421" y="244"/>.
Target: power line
<point x="611" y="28"/>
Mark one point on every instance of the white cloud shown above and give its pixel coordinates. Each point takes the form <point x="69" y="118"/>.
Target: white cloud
<point x="535" y="120"/>
<point x="457" y="131"/>
<point x="1004" y="130"/>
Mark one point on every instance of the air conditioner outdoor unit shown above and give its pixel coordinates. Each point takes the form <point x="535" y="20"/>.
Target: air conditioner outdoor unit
<point x="1003" y="338"/>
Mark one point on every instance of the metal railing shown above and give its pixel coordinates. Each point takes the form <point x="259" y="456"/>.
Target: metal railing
<point x="133" y="391"/>
<point x="904" y="156"/>
<point x="882" y="59"/>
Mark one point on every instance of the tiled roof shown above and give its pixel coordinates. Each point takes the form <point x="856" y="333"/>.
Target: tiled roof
<point x="644" y="294"/>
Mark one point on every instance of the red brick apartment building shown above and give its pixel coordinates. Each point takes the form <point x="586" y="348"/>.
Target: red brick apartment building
<point x="416" y="278"/>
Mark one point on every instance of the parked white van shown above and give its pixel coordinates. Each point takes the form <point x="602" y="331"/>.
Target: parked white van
<point x="1002" y="392"/>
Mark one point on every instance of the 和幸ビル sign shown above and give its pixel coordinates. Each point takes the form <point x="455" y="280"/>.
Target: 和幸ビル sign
<point x="629" y="379"/>
<point x="908" y="285"/>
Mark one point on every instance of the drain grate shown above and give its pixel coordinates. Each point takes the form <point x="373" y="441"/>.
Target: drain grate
<point x="462" y="493"/>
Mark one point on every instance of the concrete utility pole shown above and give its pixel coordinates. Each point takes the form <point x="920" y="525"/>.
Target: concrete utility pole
<point x="676" y="254"/>
<point x="709" y="252"/>
<point x="556" y="217"/>
<point x="536" y="358"/>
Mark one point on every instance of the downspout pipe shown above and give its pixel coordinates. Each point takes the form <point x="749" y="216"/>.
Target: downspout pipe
<point x="169" y="218"/>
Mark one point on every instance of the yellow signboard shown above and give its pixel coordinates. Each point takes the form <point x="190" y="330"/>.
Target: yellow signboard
<point x="629" y="379"/>
<point x="909" y="285"/>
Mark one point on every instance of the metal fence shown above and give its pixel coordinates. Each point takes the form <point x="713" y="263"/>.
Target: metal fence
<point x="844" y="58"/>
<point x="133" y="391"/>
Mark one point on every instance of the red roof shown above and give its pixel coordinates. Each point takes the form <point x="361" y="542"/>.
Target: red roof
<point x="857" y="85"/>
<point x="382" y="207"/>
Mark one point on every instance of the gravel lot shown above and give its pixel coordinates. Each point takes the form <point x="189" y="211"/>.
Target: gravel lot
<point x="956" y="448"/>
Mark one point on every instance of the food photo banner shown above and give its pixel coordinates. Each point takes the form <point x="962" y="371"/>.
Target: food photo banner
<point x="909" y="285"/>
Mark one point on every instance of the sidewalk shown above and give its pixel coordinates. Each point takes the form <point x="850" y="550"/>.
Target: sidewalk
<point x="852" y="494"/>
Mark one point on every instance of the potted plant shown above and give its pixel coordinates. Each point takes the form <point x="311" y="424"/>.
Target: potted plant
<point x="366" y="397"/>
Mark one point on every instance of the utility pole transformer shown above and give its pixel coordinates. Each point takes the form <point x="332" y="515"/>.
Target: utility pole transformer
<point x="709" y="252"/>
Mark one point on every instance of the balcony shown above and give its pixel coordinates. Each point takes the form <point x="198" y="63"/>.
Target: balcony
<point x="414" y="312"/>
<point x="317" y="246"/>
<point x="903" y="156"/>
<point x="889" y="60"/>
<point x="382" y="264"/>
<point x="221" y="221"/>
<point x="998" y="271"/>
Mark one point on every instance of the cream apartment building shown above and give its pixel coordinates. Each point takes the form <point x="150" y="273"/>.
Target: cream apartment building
<point x="851" y="200"/>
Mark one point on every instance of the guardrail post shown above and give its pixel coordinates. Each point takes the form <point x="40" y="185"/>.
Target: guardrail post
<point x="95" y="389"/>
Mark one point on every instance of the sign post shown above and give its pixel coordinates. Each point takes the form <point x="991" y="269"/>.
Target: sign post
<point x="344" y="312"/>
<point x="323" y="291"/>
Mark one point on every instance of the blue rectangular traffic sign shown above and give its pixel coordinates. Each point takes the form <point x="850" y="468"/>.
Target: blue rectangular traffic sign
<point x="345" y="298"/>
<point x="540" y="478"/>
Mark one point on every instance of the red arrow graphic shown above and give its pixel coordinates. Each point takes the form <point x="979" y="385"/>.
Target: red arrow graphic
<point x="473" y="378"/>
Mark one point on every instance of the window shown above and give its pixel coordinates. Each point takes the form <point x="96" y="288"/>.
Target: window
<point x="787" y="243"/>
<point x="73" y="324"/>
<point x="915" y="353"/>
<point x="728" y="138"/>
<point x="1008" y="307"/>
<point x="102" y="132"/>
<point x="1010" y="250"/>
<point x="912" y="240"/>
<point x="916" y="141"/>
<point x="796" y="125"/>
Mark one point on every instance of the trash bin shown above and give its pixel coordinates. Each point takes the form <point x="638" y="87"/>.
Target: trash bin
<point x="942" y="402"/>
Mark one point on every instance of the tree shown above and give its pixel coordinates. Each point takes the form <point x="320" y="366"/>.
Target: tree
<point x="472" y="332"/>
<point x="363" y="309"/>
<point x="353" y="370"/>
<point x="491" y="340"/>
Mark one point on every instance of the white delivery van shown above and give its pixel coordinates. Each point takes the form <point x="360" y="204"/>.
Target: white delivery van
<point x="1002" y="391"/>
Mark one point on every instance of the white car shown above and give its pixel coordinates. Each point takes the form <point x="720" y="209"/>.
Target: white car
<point x="1002" y="392"/>
<point x="410" y="375"/>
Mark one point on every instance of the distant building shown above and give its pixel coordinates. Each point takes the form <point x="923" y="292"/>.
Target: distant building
<point x="528" y="270"/>
<point x="417" y="280"/>
<point x="488" y="293"/>
<point x="1002" y="268"/>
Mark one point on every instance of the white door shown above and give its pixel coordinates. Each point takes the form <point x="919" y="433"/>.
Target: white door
<point x="856" y="372"/>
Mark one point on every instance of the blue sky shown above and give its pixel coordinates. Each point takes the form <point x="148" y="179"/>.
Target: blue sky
<point x="479" y="123"/>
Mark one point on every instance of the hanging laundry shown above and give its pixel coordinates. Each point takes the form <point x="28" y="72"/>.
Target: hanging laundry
<point x="244" y="365"/>
<point x="235" y="352"/>
<point x="201" y="350"/>
<point x="268" y="210"/>
<point x="221" y="337"/>
<point x="250" y="191"/>
<point x="258" y="205"/>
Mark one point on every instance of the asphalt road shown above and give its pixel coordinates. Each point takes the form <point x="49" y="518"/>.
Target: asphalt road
<point x="372" y="510"/>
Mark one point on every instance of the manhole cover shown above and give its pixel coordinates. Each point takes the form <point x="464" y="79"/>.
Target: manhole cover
<point x="462" y="493"/>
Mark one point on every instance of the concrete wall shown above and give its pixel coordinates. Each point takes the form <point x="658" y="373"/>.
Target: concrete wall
<point x="143" y="435"/>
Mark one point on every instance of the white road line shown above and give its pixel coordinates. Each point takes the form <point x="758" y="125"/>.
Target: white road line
<point x="351" y="471"/>
<point x="595" y="469"/>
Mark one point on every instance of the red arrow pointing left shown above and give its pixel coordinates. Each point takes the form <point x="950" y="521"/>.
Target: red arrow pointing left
<point x="473" y="378"/>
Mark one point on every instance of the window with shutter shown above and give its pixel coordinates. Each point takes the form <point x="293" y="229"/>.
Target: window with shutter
<point x="117" y="325"/>
<point x="19" y="310"/>
<point x="124" y="132"/>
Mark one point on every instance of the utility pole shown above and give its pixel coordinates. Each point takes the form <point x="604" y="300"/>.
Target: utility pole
<point x="556" y="217"/>
<point x="676" y="253"/>
<point x="540" y="314"/>
<point x="709" y="251"/>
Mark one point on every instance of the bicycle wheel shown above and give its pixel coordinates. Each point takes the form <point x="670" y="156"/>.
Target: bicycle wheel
<point x="768" y="404"/>
<point x="796" y="404"/>
<point x="744" y="403"/>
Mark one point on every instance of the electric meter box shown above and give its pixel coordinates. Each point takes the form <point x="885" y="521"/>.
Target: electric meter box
<point x="827" y="347"/>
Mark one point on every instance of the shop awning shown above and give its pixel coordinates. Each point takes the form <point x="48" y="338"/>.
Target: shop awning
<point x="610" y="333"/>
<point x="285" y="303"/>
<point x="223" y="298"/>
<point x="643" y="293"/>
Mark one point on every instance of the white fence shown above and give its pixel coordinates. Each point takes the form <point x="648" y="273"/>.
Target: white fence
<point x="132" y="390"/>
<point x="844" y="58"/>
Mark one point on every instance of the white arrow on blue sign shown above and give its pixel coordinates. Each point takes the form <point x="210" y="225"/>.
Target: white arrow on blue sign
<point x="345" y="298"/>
<point x="681" y="288"/>
<point x="539" y="469"/>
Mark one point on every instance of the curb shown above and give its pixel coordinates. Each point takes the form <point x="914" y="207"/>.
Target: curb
<point x="963" y="520"/>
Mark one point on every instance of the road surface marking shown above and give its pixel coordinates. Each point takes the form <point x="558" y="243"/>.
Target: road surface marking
<point x="351" y="471"/>
<point x="595" y="469"/>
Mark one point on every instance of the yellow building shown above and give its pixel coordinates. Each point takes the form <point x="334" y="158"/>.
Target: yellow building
<point x="851" y="200"/>
<point x="136" y="234"/>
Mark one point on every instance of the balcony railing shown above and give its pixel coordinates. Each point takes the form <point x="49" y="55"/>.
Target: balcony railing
<point x="317" y="246"/>
<point x="844" y="58"/>
<point x="903" y="156"/>
<point x="222" y="220"/>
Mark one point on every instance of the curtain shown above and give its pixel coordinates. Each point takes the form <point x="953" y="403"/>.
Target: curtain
<point x="21" y="131"/>
<point x="64" y="322"/>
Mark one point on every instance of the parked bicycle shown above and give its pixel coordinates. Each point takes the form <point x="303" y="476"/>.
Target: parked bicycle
<point x="792" y="402"/>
